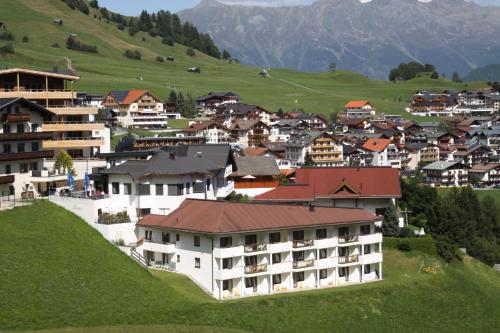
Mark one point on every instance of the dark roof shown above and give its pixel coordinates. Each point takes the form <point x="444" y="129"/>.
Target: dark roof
<point x="178" y="160"/>
<point x="5" y="102"/>
<point x="223" y="217"/>
<point x="216" y="95"/>
<point x="256" y="166"/>
<point x="119" y="95"/>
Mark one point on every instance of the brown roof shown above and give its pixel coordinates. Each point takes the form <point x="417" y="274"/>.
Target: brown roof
<point x="198" y="126"/>
<point x="368" y="182"/>
<point x="222" y="217"/>
<point x="40" y="73"/>
<point x="376" y="145"/>
<point x="484" y="167"/>
<point x="255" y="151"/>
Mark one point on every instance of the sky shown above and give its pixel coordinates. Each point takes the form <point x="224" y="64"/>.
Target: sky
<point x="134" y="7"/>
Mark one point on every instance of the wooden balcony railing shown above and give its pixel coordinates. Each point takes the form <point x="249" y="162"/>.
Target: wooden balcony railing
<point x="303" y="264"/>
<point x="303" y="243"/>
<point x="255" y="269"/>
<point x="255" y="247"/>
<point x="348" y="259"/>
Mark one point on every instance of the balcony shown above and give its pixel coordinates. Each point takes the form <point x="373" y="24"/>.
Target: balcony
<point x="348" y="259"/>
<point x="47" y="175"/>
<point x="73" y="110"/>
<point x="24" y="136"/>
<point x="158" y="247"/>
<point x="73" y="143"/>
<point x="68" y="126"/>
<point x="112" y="218"/>
<point x="297" y="244"/>
<point x="303" y="264"/>
<point x="255" y="269"/>
<point x="348" y="239"/>
<point x="228" y="252"/>
<point x="32" y="155"/>
<point x="38" y="94"/>
<point x="7" y="179"/>
<point x="255" y="247"/>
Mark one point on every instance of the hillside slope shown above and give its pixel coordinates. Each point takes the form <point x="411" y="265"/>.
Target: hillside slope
<point x="57" y="272"/>
<point x="109" y="69"/>
<point x="489" y="73"/>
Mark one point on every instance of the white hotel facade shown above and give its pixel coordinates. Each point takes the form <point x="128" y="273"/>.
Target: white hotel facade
<point x="235" y="250"/>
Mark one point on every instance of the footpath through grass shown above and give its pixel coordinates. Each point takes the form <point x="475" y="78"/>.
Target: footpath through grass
<point x="57" y="272"/>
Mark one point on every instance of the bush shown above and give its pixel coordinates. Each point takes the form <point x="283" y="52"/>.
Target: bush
<point x="190" y="52"/>
<point x="120" y="27"/>
<point x="160" y="59"/>
<point x="73" y="44"/>
<point x="132" y="31"/>
<point x="168" y="41"/>
<point x="7" y="49"/>
<point x="404" y="246"/>
<point x="446" y="249"/>
<point x="26" y="39"/>
<point x="424" y="244"/>
<point x="5" y="35"/>
<point x="133" y="54"/>
<point x="55" y="45"/>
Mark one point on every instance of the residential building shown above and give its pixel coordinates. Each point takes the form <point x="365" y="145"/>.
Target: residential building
<point x="370" y="188"/>
<point x="421" y="153"/>
<point x="255" y="175"/>
<point x="235" y="250"/>
<point x="433" y="104"/>
<point x="446" y="174"/>
<point x="74" y="127"/>
<point x="249" y="133"/>
<point x="210" y="130"/>
<point x="471" y="154"/>
<point x="315" y="121"/>
<point x="326" y="151"/>
<point x="227" y="114"/>
<point x="359" y="109"/>
<point x="485" y="174"/>
<point x="384" y="152"/>
<point x="215" y="99"/>
<point x="137" y="109"/>
<point x="147" y="143"/>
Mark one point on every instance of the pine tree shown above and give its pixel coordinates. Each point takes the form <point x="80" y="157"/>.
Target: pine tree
<point x="226" y="55"/>
<point x="189" y="106"/>
<point x="456" y="78"/>
<point x="280" y="113"/>
<point x="179" y="107"/>
<point x="308" y="160"/>
<point x="390" y="225"/>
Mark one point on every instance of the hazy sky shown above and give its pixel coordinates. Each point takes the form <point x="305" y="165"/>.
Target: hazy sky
<point x="133" y="7"/>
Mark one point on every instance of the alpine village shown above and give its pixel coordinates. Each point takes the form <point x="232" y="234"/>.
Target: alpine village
<point x="220" y="197"/>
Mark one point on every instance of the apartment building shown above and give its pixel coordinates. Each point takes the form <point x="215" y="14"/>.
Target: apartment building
<point x="137" y="109"/>
<point x="210" y="130"/>
<point x="235" y="250"/>
<point x="359" y="109"/>
<point x="326" y="151"/>
<point x="446" y="174"/>
<point x="73" y="127"/>
<point x="385" y="152"/>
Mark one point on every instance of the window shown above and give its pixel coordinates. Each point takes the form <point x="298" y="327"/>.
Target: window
<point x="175" y="189"/>
<point x="188" y="188"/>
<point x="227" y="263"/>
<point x="226" y="241"/>
<point x="227" y="285"/>
<point x="250" y="239"/>
<point x="115" y="188"/>
<point x="365" y="229"/>
<point x="251" y="282"/>
<point x="143" y="212"/>
<point x="298" y="277"/>
<point x="178" y="258"/>
<point x="197" y="263"/>
<point x="321" y="233"/>
<point x="208" y="184"/>
<point x="198" y="187"/>
<point x="367" y="249"/>
<point x="35" y="146"/>
<point x="34" y="166"/>
<point x="342" y="251"/>
<point x="164" y="258"/>
<point x="34" y="127"/>
<point x="343" y="231"/>
<point x="20" y="128"/>
<point x="148" y="235"/>
<point x="298" y="256"/>
<point x="20" y="147"/>
<point x="276" y="258"/>
<point x="8" y="169"/>
<point x="159" y="189"/>
<point x="380" y="211"/>
<point x="6" y="148"/>
<point x="23" y="167"/>
<point x="197" y="241"/>
<point x="298" y="235"/>
<point x="165" y="237"/>
<point x="144" y="189"/>
<point x="341" y="271"/>
<point x="274" y="237"/>
<point x="177" y="238"/>
<point x="323" y="253"/>
<point x="127" y="188"/>
<point x="276" y="279"/>
<point x="6" y="128"/>
<point x="323" y="273"/>
<point x="368" y="269"/>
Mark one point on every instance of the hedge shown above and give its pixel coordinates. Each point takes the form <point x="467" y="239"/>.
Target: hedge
<point x="423" y="244"/>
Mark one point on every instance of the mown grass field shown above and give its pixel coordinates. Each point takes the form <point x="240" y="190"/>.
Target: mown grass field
<point x="314" y="92"/>
<point x="495" y="194"/>
<point x="58" y="273"/>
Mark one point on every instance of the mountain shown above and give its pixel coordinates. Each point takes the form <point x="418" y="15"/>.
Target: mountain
<point x="370" y="37"/>
<point x="490" y="73"/>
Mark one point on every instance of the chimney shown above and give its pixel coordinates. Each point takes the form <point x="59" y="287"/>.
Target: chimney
<point x="311" y="207"/>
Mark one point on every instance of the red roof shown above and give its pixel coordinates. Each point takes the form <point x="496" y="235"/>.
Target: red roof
<point x="133" y="96"/>
<point x="369" y="182"/>
<point x="255" y="151"/>
<point x="376" y="145"/>
<point x="198" y="126"/>
<point x="356" y="104"/>
<point x="220" y="217"/>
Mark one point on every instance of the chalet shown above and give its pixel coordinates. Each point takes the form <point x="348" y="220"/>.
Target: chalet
<point x="485" y="174"/>
<point x="432" y="104"/>
<point x="369" y="188"/>
<point x="384" y="151"/>
<point x="359" y="109"/>
<point x="446" y="174"/>
<point x="352" y="124"/>
<point x="249" y="133"/>
<point x="357" y="156"/>
<point x="441" y="138"/>
<point x="255" y="175"/>
<point x="215" y="99"/>
<point x="228" y="113"/>
<point x="422" y="153"/>
<point x="472" y="154"/>
<point x="489" y="137"/>
<point x="211" y="131"/>
<point x="326" y="151"/>
<point x="136" y="109"/>
<point x="314" y="121"/>
<point x="146" y="143"/>
<point x="284" y="129"/>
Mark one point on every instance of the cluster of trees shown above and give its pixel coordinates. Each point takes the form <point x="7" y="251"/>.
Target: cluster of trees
<point x="5" y="35"/>
<point x="78" y="5"/>
<point x="456" y="78"/>
<point x="133" y="54"/>
<point x="457" y="219"/>
<point x="186" y="106"/>
<point x="7" y="49"/>
<point x="408" y="71"/>
<point x="73" y="44"/>
<point x="495" y="85"/>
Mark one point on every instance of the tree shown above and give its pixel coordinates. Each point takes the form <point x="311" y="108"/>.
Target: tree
<point x="94" y="4"/>
<point x="26" y="39"/>
<point x="390" y="225"/>
<point x="496" y="86"/>
<point x="226" y="55"/>
<point x="333" y="117"/>
<point x="172" y="97"/>
<point x="435" y="76"/>
<point x="189" y="106"/>
<point x="332" y="67"/>
<point x="104" y="13"/>
<point x="456" y="78"/>
<point x="179" y="107"/>
<point x="280" y="113"/>
<point x="64" y="160"/>
<point x="308" y="160"/>
<point x="190" y="52"/>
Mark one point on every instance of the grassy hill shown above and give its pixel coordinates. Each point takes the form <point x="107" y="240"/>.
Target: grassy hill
<point x="109" y="69"/>
<point x="58" y="273"/>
